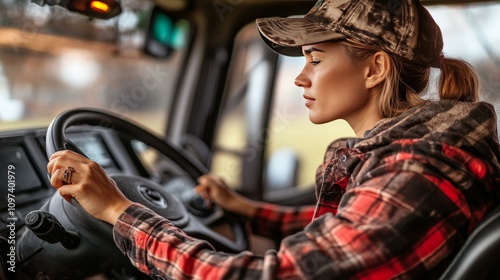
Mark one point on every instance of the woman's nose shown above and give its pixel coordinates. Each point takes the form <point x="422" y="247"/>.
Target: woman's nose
<point x="302" y="81"/>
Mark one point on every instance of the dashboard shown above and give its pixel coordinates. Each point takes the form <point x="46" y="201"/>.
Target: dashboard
<point x="140" y="171"/>
<point x="94" y="148"/>
<point x="24" y="150"/>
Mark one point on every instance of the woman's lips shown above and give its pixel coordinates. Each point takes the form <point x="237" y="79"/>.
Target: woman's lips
<point x="309" y="100"/>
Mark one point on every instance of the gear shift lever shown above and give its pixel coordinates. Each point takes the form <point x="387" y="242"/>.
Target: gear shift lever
<point x="48" y="228"/>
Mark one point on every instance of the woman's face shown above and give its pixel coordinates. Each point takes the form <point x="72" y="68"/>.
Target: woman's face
<point x="335" y="87"/>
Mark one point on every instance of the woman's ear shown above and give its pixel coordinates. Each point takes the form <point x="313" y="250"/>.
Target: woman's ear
<point x="378" y="69"/>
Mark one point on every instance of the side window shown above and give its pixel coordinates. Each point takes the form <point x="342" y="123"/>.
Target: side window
<point x="292" y="137"/>
<point x="243" y="112"/>
<point x="470" y="33"/>
<point x="264" y="129"/>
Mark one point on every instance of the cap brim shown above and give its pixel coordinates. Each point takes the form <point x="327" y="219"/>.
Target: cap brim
<point x="286" y="36"/>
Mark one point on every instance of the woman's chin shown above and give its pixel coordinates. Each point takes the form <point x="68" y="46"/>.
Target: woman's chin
<point x="316" y="120"/>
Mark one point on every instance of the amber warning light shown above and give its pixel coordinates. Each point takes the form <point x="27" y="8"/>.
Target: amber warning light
<point x="102" y="9"/>
<point x="99" y="6"/>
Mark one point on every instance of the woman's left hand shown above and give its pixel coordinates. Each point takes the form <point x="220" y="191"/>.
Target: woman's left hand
<point x="74" y="175"/>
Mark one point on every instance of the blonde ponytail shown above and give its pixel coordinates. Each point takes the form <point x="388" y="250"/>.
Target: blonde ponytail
<point x="458" y="81"/>
<point x="407" y="81"/>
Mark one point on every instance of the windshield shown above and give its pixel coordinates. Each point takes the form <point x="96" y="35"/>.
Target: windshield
<point x="52" y="60"/>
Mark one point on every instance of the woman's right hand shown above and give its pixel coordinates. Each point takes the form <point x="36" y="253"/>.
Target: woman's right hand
<point x="214" y="189"/>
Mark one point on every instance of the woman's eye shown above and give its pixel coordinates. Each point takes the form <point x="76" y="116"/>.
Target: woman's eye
<point x="315" y="62"/>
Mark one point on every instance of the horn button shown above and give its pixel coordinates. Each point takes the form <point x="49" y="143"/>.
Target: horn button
<point x="153" y="196"/>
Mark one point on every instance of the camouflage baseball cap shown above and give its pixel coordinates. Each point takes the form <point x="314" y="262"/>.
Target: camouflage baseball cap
<point x="401" y="27"/>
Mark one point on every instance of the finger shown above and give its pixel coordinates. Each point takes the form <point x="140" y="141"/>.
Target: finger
<point x="201" y="188"/>
<point x="54" y="179"/>
<point x="202" y="179"/>
<point x="53" y="160"/>
<point x="56" y="154"/>
<point x="220" y="181"/>
<point x="67" y="154"/>
<point x="206" y="187"/>
<point x="67" y="192"/>
<point x="62" y="163"/>
<point x="203" y="192"/>
<point x="50" y="165"/>
<point x="208" y="179"/>
<point x="58" y="178"/>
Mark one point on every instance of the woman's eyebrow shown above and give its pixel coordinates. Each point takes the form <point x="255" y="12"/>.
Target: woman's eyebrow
<point x="312" y="49"/>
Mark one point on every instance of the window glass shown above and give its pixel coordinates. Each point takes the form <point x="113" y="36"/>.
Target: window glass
<point x="470" y="32"/>
<point x="291" y="128"/>
<point x="52" y="60"/>
<point x="289" y="125"/>
<point x="231" y="141"/>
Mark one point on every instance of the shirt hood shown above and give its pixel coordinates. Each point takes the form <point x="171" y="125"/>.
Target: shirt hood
<point x="470" y="126"/>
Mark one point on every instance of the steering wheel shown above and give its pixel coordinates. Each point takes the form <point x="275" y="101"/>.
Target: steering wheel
<point x="98" y="234"/>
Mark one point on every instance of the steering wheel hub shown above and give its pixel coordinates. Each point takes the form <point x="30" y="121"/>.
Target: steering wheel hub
<point x="153" y="196"/>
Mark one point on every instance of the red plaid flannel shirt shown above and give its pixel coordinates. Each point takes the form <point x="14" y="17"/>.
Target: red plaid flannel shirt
<point x="386" y="209"/>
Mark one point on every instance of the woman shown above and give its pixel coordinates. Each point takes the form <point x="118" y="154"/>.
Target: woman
<point x="398" y="201"/>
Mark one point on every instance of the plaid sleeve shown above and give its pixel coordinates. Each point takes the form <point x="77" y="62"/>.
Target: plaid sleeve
<point x="161" y="250"/>
<point x="276" y="222"/>
<point x="403" y="219"/>
<point x="391" y="225"/>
